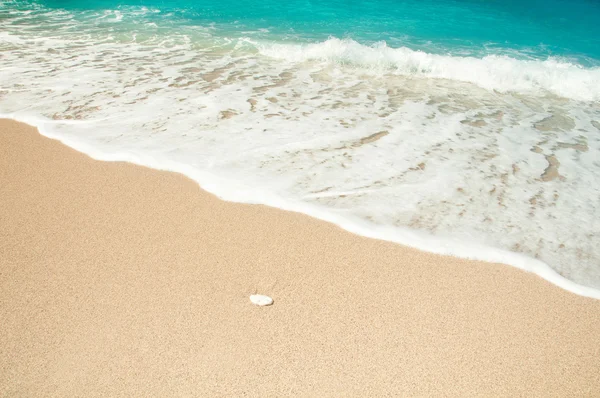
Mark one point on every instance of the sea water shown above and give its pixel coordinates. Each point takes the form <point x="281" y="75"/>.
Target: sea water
<point x="462" y="127"/>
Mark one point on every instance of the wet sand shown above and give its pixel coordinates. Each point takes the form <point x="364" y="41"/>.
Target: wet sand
<point x="117" y="280"/>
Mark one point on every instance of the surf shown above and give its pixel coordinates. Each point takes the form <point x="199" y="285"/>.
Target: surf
<point x="493" y="72"/>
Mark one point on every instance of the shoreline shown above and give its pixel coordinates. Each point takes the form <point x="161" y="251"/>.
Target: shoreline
<point x="444" y="246"/>
<point x="122" y="280"/>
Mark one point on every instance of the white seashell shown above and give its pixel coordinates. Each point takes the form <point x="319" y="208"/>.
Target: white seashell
<point x="261" y="300"/>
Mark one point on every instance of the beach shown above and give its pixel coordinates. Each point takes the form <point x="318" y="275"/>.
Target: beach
<point x="475" y="140"/>
<point x="118" y="280"/>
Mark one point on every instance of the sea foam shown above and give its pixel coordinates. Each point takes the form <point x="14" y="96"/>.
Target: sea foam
<point x="493" y="72"/>
<point x="237" y="191"/>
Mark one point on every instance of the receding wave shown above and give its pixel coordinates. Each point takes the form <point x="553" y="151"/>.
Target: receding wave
<point x="493" y="72"/>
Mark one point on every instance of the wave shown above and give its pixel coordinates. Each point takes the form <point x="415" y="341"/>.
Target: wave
<point x="499" y="72"/>
<point x="493" y="72"/>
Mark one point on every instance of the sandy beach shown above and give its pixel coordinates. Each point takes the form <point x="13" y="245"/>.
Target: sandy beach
<point x="117" y="280"/>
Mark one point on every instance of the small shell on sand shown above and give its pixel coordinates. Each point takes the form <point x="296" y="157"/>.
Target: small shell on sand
<point x="261" y="300"/>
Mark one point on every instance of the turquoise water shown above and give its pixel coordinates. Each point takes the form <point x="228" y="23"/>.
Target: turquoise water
<point x="528" y="28"/>
<point x="469" y="128"/>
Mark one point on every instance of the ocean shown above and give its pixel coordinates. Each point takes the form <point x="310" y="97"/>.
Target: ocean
<point x="464" y="127"/>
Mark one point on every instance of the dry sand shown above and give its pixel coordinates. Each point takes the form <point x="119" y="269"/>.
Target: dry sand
<point x="117" y="280"/>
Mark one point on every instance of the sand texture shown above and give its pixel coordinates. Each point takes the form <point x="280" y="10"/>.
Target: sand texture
<point x="122" y="281"/>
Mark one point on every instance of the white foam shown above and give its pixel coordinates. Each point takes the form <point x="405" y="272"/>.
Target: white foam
<point x="493" y="72"/>
<point x="236" y="191"/>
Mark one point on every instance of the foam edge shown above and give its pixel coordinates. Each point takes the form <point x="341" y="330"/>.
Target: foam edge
<point x="230" y="191"/>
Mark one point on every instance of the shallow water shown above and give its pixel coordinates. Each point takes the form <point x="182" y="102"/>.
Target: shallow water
<point x="463" y="141"/>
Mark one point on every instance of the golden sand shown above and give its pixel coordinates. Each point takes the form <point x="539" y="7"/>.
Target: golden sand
<point x="117" y="280"/>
